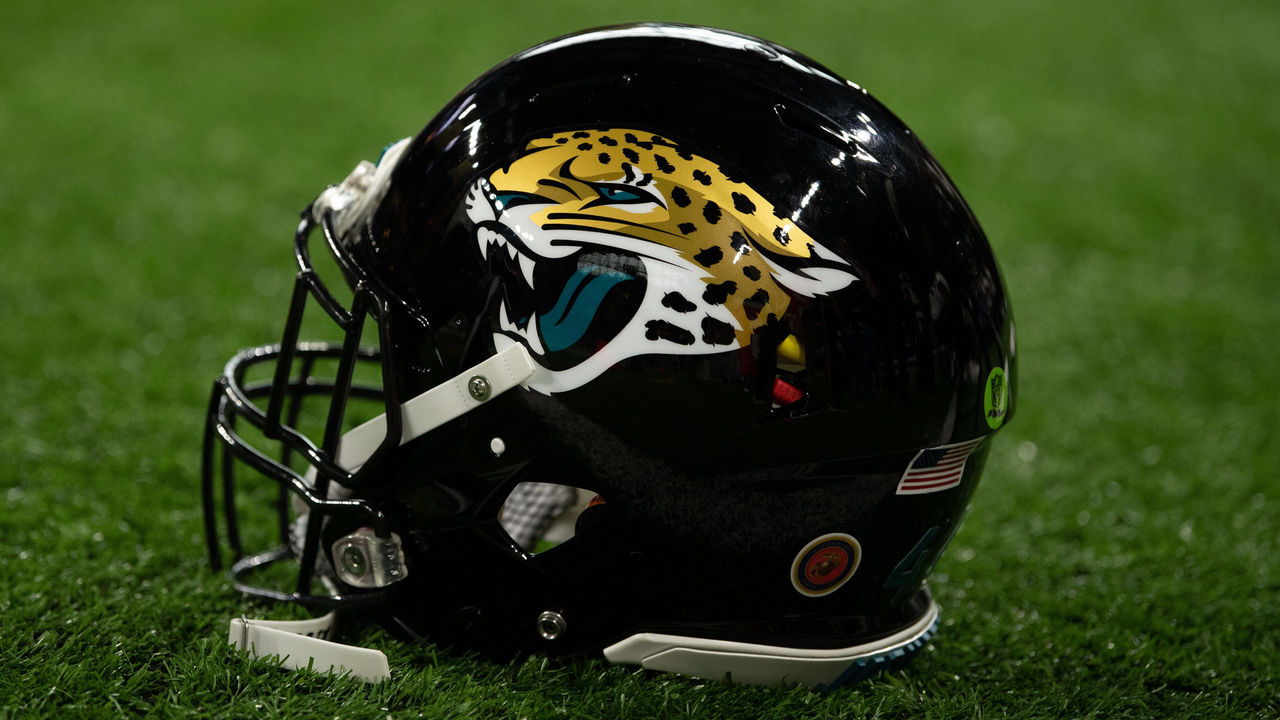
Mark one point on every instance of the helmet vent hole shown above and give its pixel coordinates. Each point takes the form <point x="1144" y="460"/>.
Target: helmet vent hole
<point x="539" y="516"/>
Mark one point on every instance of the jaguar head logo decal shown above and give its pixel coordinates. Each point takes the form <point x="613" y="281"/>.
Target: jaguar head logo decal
<point x="619" y="243"/>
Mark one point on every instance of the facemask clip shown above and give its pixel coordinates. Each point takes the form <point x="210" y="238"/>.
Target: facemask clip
<point x="364" y="560"/>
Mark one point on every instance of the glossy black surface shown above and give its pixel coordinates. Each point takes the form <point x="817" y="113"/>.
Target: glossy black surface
<point x="711" y="490"/>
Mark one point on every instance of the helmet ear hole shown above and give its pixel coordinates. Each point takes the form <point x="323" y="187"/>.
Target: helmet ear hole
<point x="538" y="516"/>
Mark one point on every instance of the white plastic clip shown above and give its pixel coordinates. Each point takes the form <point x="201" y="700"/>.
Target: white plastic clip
<point x="301" y="644"/>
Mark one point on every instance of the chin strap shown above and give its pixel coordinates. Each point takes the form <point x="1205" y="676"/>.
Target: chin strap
<point x="300" y="644"/>
<point x="504" y="370"/>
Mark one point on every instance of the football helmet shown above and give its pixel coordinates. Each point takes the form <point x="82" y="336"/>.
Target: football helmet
<point x="659" y="342"/>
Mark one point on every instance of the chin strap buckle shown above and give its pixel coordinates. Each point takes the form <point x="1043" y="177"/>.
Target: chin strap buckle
<point x="303" y="644"/>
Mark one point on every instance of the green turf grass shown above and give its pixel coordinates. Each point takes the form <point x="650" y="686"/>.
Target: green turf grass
<point x="1119" y="560"/>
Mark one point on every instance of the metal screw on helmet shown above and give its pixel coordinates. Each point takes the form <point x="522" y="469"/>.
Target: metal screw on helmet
<point x="551" y="625"/>
<point x="479" y="387"/>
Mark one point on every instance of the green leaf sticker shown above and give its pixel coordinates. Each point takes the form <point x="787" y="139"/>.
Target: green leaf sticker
<point x="995" y="401"/>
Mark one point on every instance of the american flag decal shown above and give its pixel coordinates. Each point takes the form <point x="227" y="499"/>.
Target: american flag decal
<point x="937" y="469"/>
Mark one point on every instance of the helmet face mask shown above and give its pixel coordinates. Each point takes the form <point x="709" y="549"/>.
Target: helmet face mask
<point x="683" y="351"/>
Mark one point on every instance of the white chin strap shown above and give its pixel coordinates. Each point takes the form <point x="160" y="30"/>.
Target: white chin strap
<point x="303" y="643"/>
<point x="502" y="371"/>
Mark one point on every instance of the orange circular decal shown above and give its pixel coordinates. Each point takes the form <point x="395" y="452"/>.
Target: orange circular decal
<point x="825" y="564"/>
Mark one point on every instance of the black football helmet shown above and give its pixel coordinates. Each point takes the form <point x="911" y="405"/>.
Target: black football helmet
<point x="682" y="350"/>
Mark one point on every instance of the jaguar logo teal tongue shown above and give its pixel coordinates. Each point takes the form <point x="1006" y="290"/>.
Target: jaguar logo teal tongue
<point x="579" y="301"/>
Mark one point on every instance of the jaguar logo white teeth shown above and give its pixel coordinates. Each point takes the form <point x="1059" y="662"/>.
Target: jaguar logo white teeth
<point x="487" y="239"/>
<point x="529" y="332"/>
<point x="503" y="321"/>
<point x="526" y="268"/>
